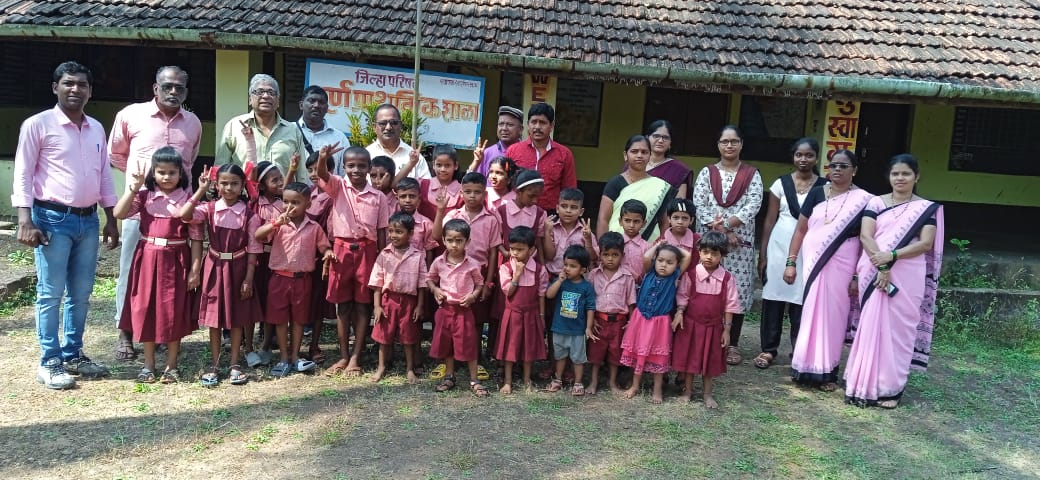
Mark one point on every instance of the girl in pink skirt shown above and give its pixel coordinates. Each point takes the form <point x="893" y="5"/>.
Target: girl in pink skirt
<point x="647" y="344"/>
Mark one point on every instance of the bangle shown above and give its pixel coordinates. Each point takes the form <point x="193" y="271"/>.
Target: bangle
<point x="883" y="268"/>
<point x="489" y="285"/>
<point x="514" y="283"/>
<point x="727" y="324"/>
<point x="275" y="224"/>
<point x="792" y="257"/>
<point x="855" y="277"/>
<point x="894" y="256"/>
<point x="791" y="263"/>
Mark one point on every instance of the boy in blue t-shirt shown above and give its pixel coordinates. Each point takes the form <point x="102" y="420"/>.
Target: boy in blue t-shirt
<point x="573" y="317"/>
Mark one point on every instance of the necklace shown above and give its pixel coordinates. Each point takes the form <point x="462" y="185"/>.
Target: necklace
<point x="904" y="203"/>
<point x="827" y="205"/>
<point x="804" y="188"/>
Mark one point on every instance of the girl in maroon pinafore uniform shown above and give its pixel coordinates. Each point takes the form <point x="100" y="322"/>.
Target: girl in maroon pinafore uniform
<point x="708" y="297"/>
<point x="159" y="300"/>
<point x="268" y="206"/>
<point x="227" y="281"/>
<point x="521" y="334"/>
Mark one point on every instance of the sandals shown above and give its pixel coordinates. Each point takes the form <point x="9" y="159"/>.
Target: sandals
<point x="237" y="377"/>
<point x="281" y="370"/>
<point x="438" y="372"/>
<point x="170" y="376"/>
<point x="888" y="404"/>
<point x="211" y="378"/>
<point x="733" y="356"/>
<point x="146" y="376"/>
<point x="479" y="390"/>
<point x="125" y="350"/>
<point x="253" y="359"/>
<point x="447" y="384"/>
<point x="764" y="360"/>
<point x="336" y="368"/>
<point x="482" y="374"/>
<point x="578" y="390"/>
<point x="555" y="386"/>
<point x="828" y="387"/>
<point x="303" y="365"/>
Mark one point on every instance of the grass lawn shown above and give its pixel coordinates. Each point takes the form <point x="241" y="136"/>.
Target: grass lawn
<point x="974" y="415"/>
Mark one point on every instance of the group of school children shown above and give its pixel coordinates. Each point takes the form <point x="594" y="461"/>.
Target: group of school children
<point x="457" y="250"/>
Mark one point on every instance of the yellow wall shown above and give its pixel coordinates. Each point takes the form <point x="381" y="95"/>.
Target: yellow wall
<point x="930" y="135"/>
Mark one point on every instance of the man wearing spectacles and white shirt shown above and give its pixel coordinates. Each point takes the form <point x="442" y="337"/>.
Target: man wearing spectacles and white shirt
<point x="388" y="142"/>
<point x="138" y="131"/>
<point x="314" y="105"/>
<point x="276" y="139"/>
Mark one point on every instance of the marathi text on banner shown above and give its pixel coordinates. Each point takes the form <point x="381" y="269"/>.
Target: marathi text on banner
<point x="451" y="104"/>
<point x="842" y="125"/>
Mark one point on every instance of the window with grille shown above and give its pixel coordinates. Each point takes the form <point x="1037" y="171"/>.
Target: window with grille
<point x="770" y="125"/>
<point x="995" y="140"/>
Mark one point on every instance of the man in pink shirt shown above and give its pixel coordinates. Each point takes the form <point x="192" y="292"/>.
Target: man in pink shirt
<point x="60" y="177"/>
<point x="138" y="131"/>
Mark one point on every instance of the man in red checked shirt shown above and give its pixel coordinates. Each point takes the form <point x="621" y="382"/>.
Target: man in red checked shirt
<point x="553" y="161"/>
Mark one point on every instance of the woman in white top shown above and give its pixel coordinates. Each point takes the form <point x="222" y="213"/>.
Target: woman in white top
<point x="786" y="197"/>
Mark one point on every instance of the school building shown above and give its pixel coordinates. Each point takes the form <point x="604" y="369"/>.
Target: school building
<point x="955" y="83"/>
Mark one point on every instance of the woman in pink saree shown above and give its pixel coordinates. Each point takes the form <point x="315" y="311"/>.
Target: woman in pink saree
<point x="902" y="236"/>
<point x="826" y="240"/>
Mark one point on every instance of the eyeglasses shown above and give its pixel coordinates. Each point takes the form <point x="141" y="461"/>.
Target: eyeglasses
<point x="392" y="123"/>
<point x="840" y="166"/>
<point x="169" y="87"/>
<point x="663" y="138"/>
<point x="259" y="92"/>
<point x="728" y="142"/>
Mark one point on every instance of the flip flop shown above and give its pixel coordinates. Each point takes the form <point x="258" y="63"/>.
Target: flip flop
<point x="170" y="376"/>
<point x="479" y="390"/>
<point x="554" y="386"/>
<point x="578" y="390"/>
<point x="237" y="377"/>
<point x="447" y="384"/>
<point x="146" y="376"/>
<point x="353" y="372"/>
<point x="764" y="360"/>
<point x="335" y="369"/>
<point x="438" y="372"/>
<point x="733" y="356"/>
<point x="211" y="378"/>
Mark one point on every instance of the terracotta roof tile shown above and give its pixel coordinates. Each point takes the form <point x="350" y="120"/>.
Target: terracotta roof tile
<point x="979" y="42"/>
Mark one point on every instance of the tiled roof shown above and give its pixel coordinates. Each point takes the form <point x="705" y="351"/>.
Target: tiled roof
<point x="993" y="44"/>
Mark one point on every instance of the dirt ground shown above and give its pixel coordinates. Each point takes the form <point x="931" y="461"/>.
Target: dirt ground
<point x="975" y="415"/>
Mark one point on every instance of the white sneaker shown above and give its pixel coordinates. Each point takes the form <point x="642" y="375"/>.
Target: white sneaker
<point x="304" y="365"/>
<point x="52" y="375"/>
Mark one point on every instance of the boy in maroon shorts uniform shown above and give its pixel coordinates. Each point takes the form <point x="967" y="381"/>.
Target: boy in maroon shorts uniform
<point x="456" y="283"/>
<point x="398" y="278"/>
<point x="294" y="239"/>
<point x="358" y="224"/>
<point x="615" y="295"/>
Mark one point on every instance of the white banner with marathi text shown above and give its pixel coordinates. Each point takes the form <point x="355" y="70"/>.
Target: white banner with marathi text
<point x="451" y="104"/>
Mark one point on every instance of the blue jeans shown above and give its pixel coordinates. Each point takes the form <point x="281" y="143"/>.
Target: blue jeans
<point x="66" y="267"/>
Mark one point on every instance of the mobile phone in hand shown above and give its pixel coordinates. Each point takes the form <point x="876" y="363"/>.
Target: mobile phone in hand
<point x="891" y="289"/>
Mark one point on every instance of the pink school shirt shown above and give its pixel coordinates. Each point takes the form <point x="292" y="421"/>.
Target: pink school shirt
<point x="355" y="214"/>
<point x="688" y="241"/>
<point x="493" y="200"/>
<point x="485" y="233"/>
<point x="141" y="129"/>
<point x="233" y="217"/>
<point x="452" y="191"/>
<point x="58" y="161"/>
<point x="399" y="272"/>
<point x="320" y="205"/>
<point x="456" y="281"/>
<point x="563" y="239"/>
<point x="530" y="277"/>
<point x="391" y="203"/>
<point x="635" y="247"/>
<point x="268" y="210"/>
<point x="293" y="247"/>
<point x="709" y="283"/>
<point x="616" y="293"/>
<point x="161" y="205"/>
<point x="422" y="235"/>
<point x="525" y="217"/>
